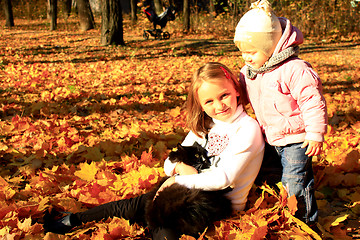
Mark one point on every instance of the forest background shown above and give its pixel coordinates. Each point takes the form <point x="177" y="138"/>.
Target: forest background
<point x="83" y="124"/>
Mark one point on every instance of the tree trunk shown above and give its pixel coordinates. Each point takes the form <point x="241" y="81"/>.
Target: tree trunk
<point x="111" y="23"/>
<point x="28" y="9"/>
<point x="85" y="15"/>
<point x="133" y="11"/>
<point x="212" y="8"/>
<point x="53" y="14"/>
<point x="186" y="15"/>
<point x="8" y="13"/>
<point x="67" y="4"/>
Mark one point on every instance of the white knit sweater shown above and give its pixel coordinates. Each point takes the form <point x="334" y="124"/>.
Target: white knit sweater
<point x="239" y="148"/>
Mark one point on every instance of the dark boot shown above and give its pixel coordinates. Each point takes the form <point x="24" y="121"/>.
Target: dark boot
<point x="60" y="226"/>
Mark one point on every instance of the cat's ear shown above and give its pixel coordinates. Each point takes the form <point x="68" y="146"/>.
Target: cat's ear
<point x="197" y="145"/>
<point x="180" y="147"/>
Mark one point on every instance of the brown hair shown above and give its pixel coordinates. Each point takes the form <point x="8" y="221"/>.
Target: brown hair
<point x="197" y="120"/>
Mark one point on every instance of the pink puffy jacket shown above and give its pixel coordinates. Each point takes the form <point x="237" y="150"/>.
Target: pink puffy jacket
<point x="288" y="101"/>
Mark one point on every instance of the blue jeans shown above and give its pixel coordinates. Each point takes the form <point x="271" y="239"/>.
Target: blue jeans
<point x="298" y="179"/>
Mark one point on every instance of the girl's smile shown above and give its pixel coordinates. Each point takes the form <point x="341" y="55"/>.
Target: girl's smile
<point x="218" y="99"/>
<point x="223" y="112"/>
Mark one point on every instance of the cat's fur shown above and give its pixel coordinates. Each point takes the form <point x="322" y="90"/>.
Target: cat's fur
<point x="187" y="211"/>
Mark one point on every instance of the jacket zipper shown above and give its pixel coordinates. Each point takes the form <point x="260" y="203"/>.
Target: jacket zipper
<point x="261" y="103"/>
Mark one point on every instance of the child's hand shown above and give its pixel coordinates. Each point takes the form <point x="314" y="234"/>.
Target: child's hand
<point x="184" y="169"/>
<point x="313" y="147"/>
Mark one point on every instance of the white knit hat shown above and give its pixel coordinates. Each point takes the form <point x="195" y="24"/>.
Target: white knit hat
<point x="259" y="27"/>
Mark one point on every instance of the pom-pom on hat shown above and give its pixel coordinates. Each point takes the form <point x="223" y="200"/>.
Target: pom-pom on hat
<point x="259" y="27"/>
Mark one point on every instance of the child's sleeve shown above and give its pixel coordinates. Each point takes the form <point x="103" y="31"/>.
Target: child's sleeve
<point x="239" y="162"/>
<point x="306" y="88"/>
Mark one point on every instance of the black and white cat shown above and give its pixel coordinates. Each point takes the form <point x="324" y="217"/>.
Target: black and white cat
<point x="187" y="211"/>
<point x="183" y="210"/>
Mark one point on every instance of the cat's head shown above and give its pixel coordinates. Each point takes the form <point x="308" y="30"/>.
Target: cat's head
<point x="190" y="155"/>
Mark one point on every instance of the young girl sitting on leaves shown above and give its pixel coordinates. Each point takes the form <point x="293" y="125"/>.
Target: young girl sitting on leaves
<point x="286" y="95"/>
<point x="219" y="124"/>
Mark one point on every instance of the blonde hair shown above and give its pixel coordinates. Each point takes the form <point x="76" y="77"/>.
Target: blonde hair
<point x="197" y="120"/>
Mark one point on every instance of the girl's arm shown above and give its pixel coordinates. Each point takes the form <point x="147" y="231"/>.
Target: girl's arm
<point x="184" y="169"/>
<point x="181" y="168"/>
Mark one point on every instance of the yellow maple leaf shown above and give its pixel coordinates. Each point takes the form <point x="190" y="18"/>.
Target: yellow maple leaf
<point x="303" y="226"/>
<point x="25" y="225"/>
<point x="161" y="97"/>
<point x="8" y="192"/>
<point x="333" y="221"/>
<point x="132" y="130"/>
<point x="5" y="230"/>
<point x="3" y="147"/>
<point x="54" y="236"/>
<point x="87" y="171"/>
<point x="43" y="204"/>
<point x="175" y="112"/>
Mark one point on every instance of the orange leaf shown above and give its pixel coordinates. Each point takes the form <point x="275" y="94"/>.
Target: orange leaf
<point x="292" y="204"/>
<point x="146" y="157"/>
<point x="101" y="234"/>
<point x="260" y="232"/>
<point x="119" y="227"/>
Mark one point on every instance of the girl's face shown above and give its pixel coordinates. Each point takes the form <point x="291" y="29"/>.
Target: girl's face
<point x="252" y="56"/>
<point x="218" y="99"/>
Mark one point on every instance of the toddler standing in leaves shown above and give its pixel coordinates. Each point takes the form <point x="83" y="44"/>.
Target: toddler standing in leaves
<point x="218" y="123"/>
<point x="286" y="96"/>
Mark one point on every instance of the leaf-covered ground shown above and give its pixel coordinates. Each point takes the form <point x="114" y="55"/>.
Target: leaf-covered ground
<point x="82" y="124"/>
